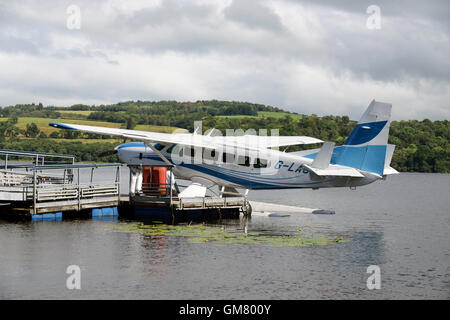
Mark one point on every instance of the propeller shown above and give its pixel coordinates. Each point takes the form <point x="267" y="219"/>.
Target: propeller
<point x="107" y="153"/>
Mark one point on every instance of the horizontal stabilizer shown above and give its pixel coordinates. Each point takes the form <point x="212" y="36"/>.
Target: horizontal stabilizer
<point x="389" y="153"/>
<point x="389" y="170"/>
<point x="322" y="160"/>
<point x="335" y="171"/>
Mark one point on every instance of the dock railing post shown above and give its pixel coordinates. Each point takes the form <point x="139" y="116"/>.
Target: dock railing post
<point x="129" y="183"/>
<point x="150" y="190"/>
<point x="118" y="185"/>
<point x="92" y="176"/>
<point x="34" y="191"/>
<point x="79" y="190"/>
<point x="170" y="184"/>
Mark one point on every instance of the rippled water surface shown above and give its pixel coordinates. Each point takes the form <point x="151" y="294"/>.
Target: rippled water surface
<point x="401" y="225"/>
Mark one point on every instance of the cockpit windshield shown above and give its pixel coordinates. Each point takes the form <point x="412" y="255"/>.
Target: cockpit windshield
<point x="159" y="146"/>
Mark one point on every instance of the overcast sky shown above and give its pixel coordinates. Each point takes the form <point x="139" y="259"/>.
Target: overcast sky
<point x="303" y="56"/>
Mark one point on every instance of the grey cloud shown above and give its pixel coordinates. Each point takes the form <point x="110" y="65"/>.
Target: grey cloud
<point x="392" y="53"/>
<point x="13" y="44"/>
<point x="437" y="11"/>
<point x="254" y="14"/>
<point x="170" y="12"/>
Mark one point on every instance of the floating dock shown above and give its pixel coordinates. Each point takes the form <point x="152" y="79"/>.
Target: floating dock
<point x="175" y="208"/>
<point x="41" y="189"/>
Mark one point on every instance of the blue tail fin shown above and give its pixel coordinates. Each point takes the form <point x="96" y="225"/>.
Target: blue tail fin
<point x="365" y="148"/>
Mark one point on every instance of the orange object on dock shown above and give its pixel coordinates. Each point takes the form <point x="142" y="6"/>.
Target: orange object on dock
<point x="154" y="180"/>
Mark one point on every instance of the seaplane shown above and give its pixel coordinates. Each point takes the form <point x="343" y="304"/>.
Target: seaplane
<point x="255" y="162"/>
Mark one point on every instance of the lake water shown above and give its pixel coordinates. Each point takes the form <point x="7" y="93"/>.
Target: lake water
<point x="400" y="225"/>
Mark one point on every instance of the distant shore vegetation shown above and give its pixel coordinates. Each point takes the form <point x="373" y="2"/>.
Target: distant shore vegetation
<point x="422" y="146"/>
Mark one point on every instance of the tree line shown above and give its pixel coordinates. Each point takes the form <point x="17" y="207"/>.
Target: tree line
<point x="422" y="146"/>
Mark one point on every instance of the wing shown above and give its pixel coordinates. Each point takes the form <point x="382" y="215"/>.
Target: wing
<point x="266" y="141"/>
<point x="163" y="138"/>
<point x="250" y="142"/>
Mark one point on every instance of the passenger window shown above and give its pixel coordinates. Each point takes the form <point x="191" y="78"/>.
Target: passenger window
<point x="180" y="150"/>
<point x="210" y="154"/>
<point x="260" y="163"/>
<point x="189" y="151"/>
<point x="169" y="150"/>
<point x="244" y="161"/>
<point x="228" y="158"/>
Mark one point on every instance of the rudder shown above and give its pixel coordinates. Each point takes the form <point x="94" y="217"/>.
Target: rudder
<point x="365" y="148"/>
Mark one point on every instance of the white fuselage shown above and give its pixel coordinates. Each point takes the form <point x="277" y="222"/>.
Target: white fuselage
<point x="269" y="169"/>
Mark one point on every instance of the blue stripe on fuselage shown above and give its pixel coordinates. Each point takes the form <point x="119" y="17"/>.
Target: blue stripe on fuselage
<point x="132" y="145"/>
<point x="244" y="181"/>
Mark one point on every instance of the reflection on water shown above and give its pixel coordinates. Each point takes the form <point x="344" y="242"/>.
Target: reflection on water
<point x="393" y="224"/>
<point x="367" y="249"/>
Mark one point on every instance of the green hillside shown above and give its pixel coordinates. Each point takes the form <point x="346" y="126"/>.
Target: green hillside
<point x="422" y="146"/>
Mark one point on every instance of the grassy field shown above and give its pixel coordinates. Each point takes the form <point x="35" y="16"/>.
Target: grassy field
<point x="265" y="114"/>
<point x="164" y="129"/>
<point x="82" y="112"/>
<point x="42" y="124"/>
<point x="86" y="141"/>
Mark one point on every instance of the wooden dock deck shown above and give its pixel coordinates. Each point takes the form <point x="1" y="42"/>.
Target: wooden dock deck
<point x="189" y="203"/>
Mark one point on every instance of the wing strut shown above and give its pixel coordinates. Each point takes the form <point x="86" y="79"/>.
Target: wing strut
<point x="160" y="154"/>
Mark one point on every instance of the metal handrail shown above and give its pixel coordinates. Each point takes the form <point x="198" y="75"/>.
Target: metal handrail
<point x="72" y="191"/>
<point x="38" y="157"/>
<point x="160" y="189"/>
<point x="17" y="178"/>
<point x="39" y="188"/>
<point x="32" y="153"/>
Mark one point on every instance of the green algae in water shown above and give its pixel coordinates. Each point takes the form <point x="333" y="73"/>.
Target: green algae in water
<point x="202" y="233"/>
